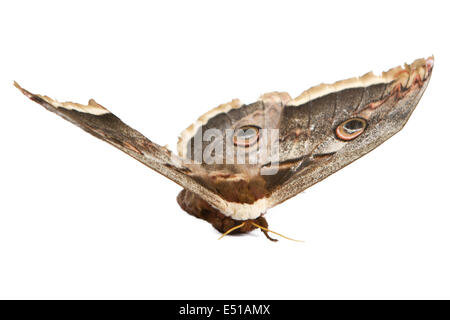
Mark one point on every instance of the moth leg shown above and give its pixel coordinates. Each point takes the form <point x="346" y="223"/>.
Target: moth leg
<point x="265" y="230"/>
<point x="267" y="236"/>
<point x="263" y="223"/>
<point x="199" y="208"/>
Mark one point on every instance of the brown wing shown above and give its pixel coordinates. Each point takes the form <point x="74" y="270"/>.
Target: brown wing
<point x="102" y="124"/>
<point x="236" y="181"/>
<point x="309" y="146"/>
<point x="318" y="138"/>
<point x="264" y="113"/>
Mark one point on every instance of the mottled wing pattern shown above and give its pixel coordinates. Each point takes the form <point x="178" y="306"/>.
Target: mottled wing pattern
<point x="264" y="113"/>
<point x="101" y="123"/>
<point x="310" y="149"/>
<point x="312" y="143"/>
<point x="307" y="130"/>
<point x="237" y="183"/>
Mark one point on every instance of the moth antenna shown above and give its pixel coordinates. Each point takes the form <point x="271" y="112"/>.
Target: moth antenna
<point x="265" y="229"/>
<point x="232" y="229"/>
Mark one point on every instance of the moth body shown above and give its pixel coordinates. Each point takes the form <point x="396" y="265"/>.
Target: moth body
<point x="239" y="160"/>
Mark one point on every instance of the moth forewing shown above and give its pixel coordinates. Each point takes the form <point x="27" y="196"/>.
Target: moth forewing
<point x="238" y="160"/>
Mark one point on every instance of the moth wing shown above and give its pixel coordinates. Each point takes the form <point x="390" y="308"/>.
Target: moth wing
<point x="101" y="123"/>
<point x="310" y="146"/>
<point x="264" y="113"/>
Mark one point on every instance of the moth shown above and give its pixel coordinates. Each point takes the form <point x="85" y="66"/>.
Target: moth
<point x="239" y="160"/>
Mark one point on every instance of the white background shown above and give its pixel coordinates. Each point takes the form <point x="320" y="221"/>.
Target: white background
<point x="79" y="219"/>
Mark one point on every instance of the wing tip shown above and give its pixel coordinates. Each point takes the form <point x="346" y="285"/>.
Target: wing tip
<point x="92" y="107"/>
<point x="24" y="91"/>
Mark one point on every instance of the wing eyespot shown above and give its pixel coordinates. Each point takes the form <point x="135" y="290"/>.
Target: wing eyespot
<point x="351" y="128"/>
<point x="246" y="136"/>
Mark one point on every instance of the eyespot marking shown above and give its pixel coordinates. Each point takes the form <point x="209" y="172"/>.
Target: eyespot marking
<point x="246" y="136"/>
<point x="351" y="128"/>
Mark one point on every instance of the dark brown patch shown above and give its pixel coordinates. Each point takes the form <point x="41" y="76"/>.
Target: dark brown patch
<point x="199" y="208"/>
